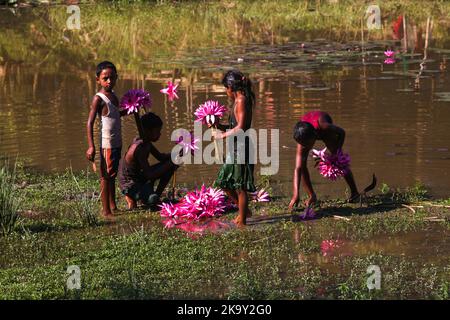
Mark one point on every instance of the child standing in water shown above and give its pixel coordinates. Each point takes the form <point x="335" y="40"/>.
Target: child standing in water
<point x="105" y="105"/>
<point x="236" y="178"/>
<point x="316" y="125"/>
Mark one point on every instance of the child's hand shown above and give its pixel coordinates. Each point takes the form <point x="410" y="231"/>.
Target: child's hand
<point x="90" y="154"/>
<point x="293" y="203"/>
<point x="217" y="135"/>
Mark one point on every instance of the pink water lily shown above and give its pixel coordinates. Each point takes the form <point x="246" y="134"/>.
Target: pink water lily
<point x="171" y="91"/>
<point x="209" y="112"/>
<point x="389" y="61"/>
<point x="389" y="53"/>
<point x="327" y="246"/>
<point x="135" y="99"/>
<point x="200" y="203"/>
<point x="260" y="196"/>
<point x="332" y="166"/>
<point x="188" y="144"/>
<point x="168" y="210"/>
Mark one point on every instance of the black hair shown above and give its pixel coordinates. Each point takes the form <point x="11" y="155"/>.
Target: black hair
<point x="304" y="131"/>
<point x="236" y="81"/>
<point x="105" y="65"/>
<point x="150" y="121"/>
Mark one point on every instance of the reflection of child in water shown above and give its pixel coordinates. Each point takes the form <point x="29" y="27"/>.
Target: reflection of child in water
<point x="136" y="176"/>
<point x="316" y="125"/>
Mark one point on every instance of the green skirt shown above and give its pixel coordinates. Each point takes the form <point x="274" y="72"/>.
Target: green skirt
<point x="236" y="177"/>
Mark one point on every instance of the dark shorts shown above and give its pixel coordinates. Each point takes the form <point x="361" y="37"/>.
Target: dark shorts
<point x="139" y="191"/>
<point x="109" y="162"/>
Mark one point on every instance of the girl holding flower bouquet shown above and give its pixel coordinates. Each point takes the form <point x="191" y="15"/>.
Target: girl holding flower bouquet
<point x="236" y="177"/>
<point x="318" y="125"/>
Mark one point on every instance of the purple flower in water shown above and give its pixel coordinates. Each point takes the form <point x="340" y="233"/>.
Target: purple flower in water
<point x="209" y="111"/>
<point x="190" y="144"/>
<point x="135" y="99"/>
<point x="309" y="213"/>
<point x="389" y="61"/>
<point x="260" y="196"/>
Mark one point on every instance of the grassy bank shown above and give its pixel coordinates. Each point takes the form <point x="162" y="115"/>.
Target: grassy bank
<point x="275" y="257"/>
<point x="130" y="34"/>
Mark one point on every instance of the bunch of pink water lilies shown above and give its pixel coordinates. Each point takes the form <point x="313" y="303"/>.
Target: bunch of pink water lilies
<point x="204" y="203"/>
<point x="332" y="166"/>
<point x="197" y="204"/>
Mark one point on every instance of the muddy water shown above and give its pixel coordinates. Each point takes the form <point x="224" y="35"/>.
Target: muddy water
<point x="396" y="129"/>
<point x="430" y="244"/>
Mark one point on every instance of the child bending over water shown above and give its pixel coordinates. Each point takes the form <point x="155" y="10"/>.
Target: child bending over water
<point x="316" y="125"/>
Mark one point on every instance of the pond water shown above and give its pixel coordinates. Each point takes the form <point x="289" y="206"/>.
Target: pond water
<point x="397" y="122"/>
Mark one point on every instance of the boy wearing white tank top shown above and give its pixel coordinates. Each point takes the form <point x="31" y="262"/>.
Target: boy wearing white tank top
<point x="106" y="105"/>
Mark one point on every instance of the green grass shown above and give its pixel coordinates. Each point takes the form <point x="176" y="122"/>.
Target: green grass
<point x="9" y="198"/>
<point x="134" y="257"/>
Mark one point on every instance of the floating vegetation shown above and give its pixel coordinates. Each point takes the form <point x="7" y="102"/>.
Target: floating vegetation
<point x="442" y="96"/>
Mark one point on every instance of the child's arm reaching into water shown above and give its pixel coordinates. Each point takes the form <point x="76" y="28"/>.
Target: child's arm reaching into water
<point x="95" y="109"/>
<point x="301" y="173"/>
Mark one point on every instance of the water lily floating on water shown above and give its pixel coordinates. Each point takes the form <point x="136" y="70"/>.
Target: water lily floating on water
<point x="209" y="111"/>
<point x="260" y="196"/>
<point x="135" y="99"/>
<point x="332" y="166"/>
<point x="171" y="91"/>
<point x="389" y="53"/>
<point x="200" y="203"/>
<point x="188" y="144"/>
<point x="390" y="57"/>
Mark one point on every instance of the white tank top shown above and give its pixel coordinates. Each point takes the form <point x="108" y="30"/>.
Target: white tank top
<point x="111" y="125"/>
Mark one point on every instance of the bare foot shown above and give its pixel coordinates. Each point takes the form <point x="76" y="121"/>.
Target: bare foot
<point x="238" y="221"/>
<point x="107" y="215"/>
<point x="131" y="203"/>
<point x="354" y="198"/>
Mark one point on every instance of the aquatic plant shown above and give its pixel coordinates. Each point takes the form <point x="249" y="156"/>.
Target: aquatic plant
<point x="331" y="166"/>
<point x="260" y="196"/>
<point x="171" y="91"/>
<point x="135" y="99"/>
<point x="197" y="204"/>
<point x="308" y="213"/>
<point x="208" y="111"/>
<point x="188" y="144"/>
